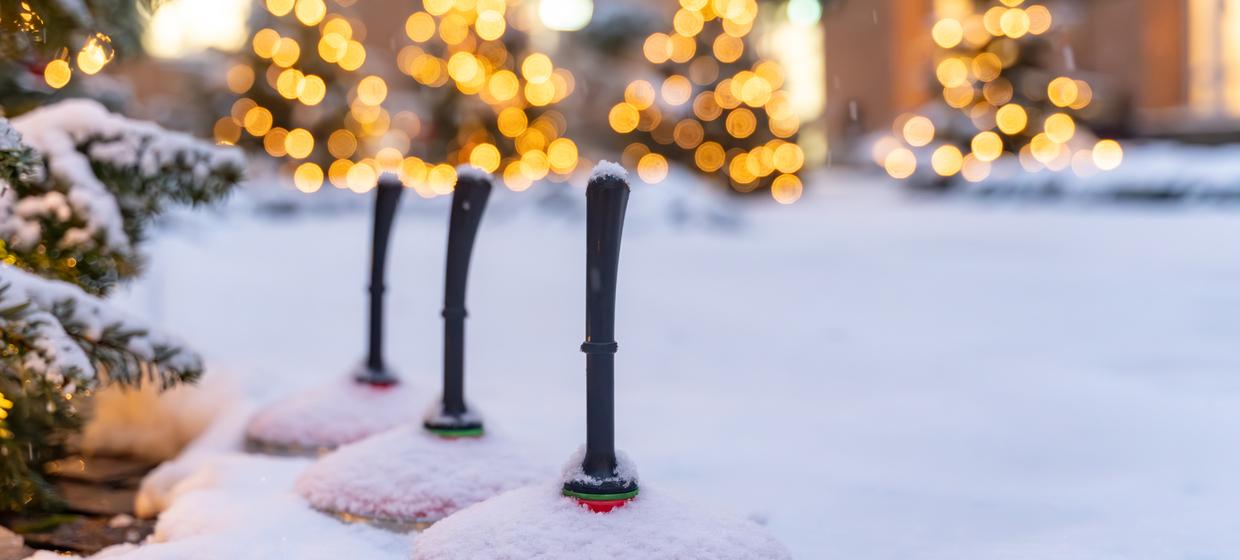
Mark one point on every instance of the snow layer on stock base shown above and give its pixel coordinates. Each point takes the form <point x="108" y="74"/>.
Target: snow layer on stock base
<point x="572" y="471"/>
<point x="408" y="474"/>
<point x="538" y="522"/>
<point x="338" y="412"/>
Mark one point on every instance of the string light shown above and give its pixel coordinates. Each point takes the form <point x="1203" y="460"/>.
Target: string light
<point x="980" y="43"/>
<point x="311" y="73"/>
<point x="716" y="104"/>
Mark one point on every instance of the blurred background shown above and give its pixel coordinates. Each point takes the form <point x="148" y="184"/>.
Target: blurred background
<point x="901" y="278"/>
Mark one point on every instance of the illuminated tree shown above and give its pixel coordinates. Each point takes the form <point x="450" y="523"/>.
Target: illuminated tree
<point x="714" y="103"/>
<point x="472" y="92"/>
<point x="78" y="188"/>
<point x="1001" y="103"/>
<point x="44" y="43"/>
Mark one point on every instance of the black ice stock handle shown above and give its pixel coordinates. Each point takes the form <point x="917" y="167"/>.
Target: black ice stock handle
<point x="469" y="200"/>
<point x="607" y="196"/>
<point x="387" y="197"/>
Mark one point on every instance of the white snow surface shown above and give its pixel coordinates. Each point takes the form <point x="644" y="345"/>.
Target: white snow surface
<point x="408" y="474"/>
<point x="606" y="168"/>
<point x="538" y="522"/>
<point x="338" y="412"/>
<point x="952" y="377"/>
<point x="239" y="506"/>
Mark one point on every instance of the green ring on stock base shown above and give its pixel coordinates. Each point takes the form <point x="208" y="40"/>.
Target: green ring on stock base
<point x="601" y="497"/>
<point x="453" y="433"/>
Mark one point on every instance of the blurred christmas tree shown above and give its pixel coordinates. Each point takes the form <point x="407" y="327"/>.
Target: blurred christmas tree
<point x="312" y="91"/>
<point x="44" y="42"/>
<point x="715" y="103"/>
<point x="1002" y="103"/>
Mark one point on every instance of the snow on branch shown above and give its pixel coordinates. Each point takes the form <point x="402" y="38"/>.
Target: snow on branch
<point x="97" y="180"/>
<point x="70" y="336"/>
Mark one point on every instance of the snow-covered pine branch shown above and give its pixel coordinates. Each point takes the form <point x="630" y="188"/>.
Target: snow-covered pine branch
<point x="98" y="180"/>
<point x="55" y="331"/>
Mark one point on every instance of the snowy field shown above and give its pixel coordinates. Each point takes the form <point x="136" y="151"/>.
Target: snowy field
<point x="871" y="376"/>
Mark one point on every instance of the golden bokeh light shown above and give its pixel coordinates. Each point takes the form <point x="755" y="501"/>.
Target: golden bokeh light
<point x="676" y="90"/>
<point x="420" y="27"/>
<point x="257" y="121"/>
<point x="709" y="157"/>
<point x="623" y="118"/>
<point x="900" y="163"/>
<point x="1014" y="23"/>
<point x="361" y="178"/>
<point x="788" y="158"/>
<point x="279" y="7"/>
<point x="952" y="72"/>
<point x="786" y="189"/>
<point x="974" y="170"/>
<point x="1059" y="127"/>
<point x="918" y="131"/>
<point x="987" y="66"/>
<point x="987" y="146"/>
<point x="240" y="78"/>
<point x="57" y="73"/>
<point x="741" y="122"/>
<point x="705" y="106"/>
<point x="341" y="144"/>
<point x="512" y="121"/>
<point x="947" y="160"/>
<point x="537" y="68"/>
<point x="562" y="155"/>
<point x="728" y="49"/>
<point x="652" y="168"/>
<point x="1011" y="118"/>
<point x="688" y="133"/>
<point x="490" y="25"/>
<point x="95" y="54"/>
<point x="310" y="12"/>
<point x="1043" y="148"/>
<point x="1108" y="155"/>
<point x="308" y="177"/>
<point x="298" y="143"/>
<point x="226" y="131"/>
<point x="1062" y="91"/>
<point x="1040" y="19"/>
<point x="948" y="33"/>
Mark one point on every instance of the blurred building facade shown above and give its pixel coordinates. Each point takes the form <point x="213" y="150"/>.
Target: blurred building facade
<point x="1161" y="68"/>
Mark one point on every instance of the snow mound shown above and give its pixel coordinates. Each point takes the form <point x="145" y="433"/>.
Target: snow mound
<point x="242" y="507"/>
<point x="538" y="522"/>
<point x="609" y="169"/>
<point x="334" y="414"/>
<point x="410" y="475"/>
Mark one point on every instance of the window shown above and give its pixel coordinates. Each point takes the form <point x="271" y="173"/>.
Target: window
<point x="1214" y="57"/>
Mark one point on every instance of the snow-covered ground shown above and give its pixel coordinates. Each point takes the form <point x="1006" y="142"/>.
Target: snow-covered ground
<point x="871" y="376"/>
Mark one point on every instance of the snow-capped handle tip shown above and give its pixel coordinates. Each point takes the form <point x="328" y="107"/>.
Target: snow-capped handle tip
<point x="608" y="173"/>
<point x="467" y="172"/>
